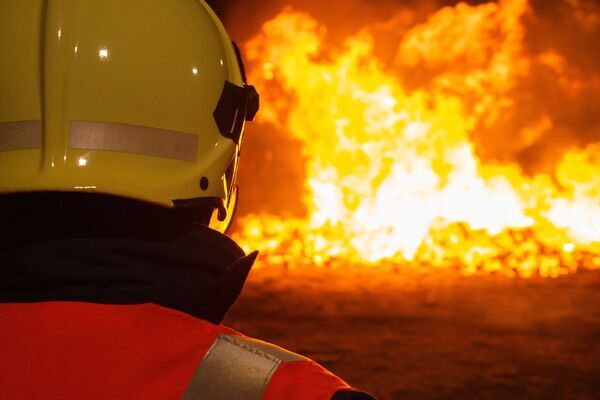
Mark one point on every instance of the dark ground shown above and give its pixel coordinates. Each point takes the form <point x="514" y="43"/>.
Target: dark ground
<point x="437" y="335"/>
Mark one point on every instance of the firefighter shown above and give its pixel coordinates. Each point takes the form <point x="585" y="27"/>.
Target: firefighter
<point x="120" y="131"/>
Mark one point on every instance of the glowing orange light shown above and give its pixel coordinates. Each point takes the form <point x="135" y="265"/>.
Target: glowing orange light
<point x="393" y="176"/>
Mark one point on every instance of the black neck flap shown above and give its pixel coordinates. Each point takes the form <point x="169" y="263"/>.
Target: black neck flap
<point x="201" y="273"/>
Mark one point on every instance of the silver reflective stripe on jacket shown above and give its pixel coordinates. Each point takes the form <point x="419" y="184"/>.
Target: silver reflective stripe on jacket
<point x="125" y="138"/>
<point x="236" y="368"/>
<point x="20" y="135"/>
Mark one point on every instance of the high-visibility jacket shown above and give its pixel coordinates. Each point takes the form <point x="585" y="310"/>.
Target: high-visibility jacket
<point x="75" y="350"/>
<point x="122" y="318"/>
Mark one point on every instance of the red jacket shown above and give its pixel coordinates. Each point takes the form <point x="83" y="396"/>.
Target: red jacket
<point x="132" y="319"/>
<point x="68" y="350"/>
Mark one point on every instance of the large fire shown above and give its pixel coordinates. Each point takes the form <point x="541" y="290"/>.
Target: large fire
<point x="393" y="173"/>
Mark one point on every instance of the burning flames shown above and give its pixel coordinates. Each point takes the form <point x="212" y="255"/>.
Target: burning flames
<point x="393" y="172"/>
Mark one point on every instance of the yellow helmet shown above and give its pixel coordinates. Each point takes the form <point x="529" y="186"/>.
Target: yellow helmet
<point x="136" y="99"/>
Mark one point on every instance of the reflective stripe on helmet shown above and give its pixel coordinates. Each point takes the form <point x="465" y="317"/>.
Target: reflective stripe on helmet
<point x="133" y="139"/>
<point x="20" y="135"/>
<point x="236" y="368"/>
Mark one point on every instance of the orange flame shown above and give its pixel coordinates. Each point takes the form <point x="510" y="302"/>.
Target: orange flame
<point x="393" y="177"/>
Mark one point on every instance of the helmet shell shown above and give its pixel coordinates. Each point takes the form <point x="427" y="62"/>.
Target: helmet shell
<point x="115" y="97"/>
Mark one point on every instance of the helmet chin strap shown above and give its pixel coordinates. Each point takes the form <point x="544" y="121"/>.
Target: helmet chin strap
<point x="220" y="222"/>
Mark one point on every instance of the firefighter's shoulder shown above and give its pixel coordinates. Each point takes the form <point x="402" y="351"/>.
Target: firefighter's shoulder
<point x="242" y="368"/>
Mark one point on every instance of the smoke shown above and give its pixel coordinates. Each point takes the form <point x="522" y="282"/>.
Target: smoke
<point x="551" y="106"/>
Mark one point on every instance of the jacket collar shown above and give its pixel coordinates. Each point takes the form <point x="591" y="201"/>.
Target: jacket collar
<point x="201" y="273"/>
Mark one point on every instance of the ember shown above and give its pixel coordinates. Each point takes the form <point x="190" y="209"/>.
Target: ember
<point x="395" y="175"/>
